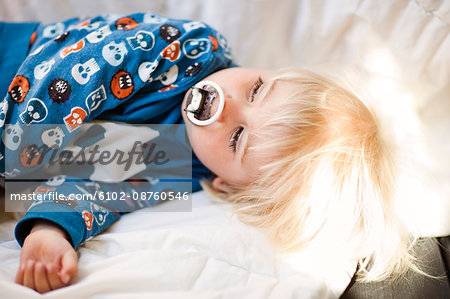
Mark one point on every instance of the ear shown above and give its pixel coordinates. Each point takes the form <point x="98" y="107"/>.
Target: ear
<point x="221" y="186"/>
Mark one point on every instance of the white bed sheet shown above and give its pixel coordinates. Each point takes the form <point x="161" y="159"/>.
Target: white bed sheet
<point x="206" y="253"/>
<point x="402" y="46"/>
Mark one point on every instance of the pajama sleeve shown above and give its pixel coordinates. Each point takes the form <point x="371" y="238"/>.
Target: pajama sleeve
<point x="133" y="69"/>
<point x="80" y="219"/>
<point x="96" y="208"/>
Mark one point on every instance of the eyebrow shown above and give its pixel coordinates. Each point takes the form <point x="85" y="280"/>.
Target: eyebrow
<point x="269" y="87"/>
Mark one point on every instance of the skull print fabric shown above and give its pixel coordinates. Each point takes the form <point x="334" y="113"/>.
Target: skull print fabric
<point x="134" y="68"/>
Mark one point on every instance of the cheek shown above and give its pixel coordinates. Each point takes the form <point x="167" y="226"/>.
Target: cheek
<point x="207" y="149"/>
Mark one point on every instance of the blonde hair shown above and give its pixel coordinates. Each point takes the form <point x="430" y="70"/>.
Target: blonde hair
<point x="329" y="172"/>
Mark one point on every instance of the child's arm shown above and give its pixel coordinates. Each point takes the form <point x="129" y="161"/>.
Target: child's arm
<point x="48" y="260"/>
<point x="159" y="78"/>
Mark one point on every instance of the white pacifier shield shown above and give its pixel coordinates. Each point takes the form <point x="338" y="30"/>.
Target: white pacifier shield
<point x="191" y="115"/>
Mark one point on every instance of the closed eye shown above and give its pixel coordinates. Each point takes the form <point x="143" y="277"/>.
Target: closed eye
<point x="234" y="138"/>
<point x="255" y="88"/>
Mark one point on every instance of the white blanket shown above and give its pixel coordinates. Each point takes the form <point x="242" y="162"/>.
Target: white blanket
<point x="404" y="48"/>
<point x="205" y="253"/>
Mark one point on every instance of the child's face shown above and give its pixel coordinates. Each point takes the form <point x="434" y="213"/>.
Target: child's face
<point x="222" y="145"/>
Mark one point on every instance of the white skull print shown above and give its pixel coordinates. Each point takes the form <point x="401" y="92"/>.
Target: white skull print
<point x="169" y="77"/>
<point x="3" y="110"/>
<point x="154" y="19"/>
<point x="56" y="180"/>
<point x="83" y="72"/>
<point x="146" y="69"/>
<point x="114" y="53"/>
<point x="193" y="25"/>
<point x="53" y="138"/>
<point x="12" y="136"/>
<point x="98" y="35"/>
<point x="53" y="30"/>
<point x="42" y="69"/>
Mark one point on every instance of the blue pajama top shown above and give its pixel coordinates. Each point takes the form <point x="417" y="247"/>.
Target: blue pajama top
<point x="134" y="68"/>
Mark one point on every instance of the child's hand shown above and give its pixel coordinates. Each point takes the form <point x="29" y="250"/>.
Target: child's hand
<point x="48" y="260"/>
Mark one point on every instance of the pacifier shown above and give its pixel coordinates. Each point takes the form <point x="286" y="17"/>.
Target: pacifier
<point x="200" y="102"/>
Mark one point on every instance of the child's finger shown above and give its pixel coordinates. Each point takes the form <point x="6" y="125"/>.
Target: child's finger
<point x="28" y="275"/>
<point x="40" y="278"/>
<point x="69" y="264"/>
<point x="19" y="275"/>
<point x="53" y="278"/>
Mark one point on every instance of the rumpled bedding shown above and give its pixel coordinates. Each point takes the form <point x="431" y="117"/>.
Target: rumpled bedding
<point x="399" y="53"/>
<point x="159" y="254"/>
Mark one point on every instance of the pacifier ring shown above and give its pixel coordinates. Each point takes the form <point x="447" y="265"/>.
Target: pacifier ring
<point x="200" y="99"/>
